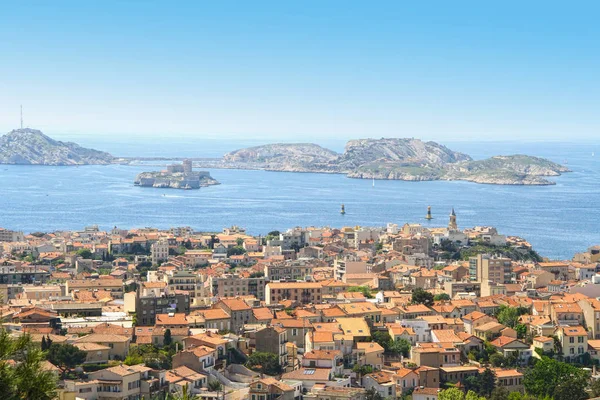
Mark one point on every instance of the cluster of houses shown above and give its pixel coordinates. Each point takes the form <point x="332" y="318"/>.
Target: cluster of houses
<point x="314" y="298"/>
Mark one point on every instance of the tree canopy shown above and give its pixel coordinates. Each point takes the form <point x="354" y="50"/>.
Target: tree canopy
<point x="457" y="394"/>
<point x="422" y="296"/>
<point x="365" y="290"/>
<point x="65" y="356"/>
<point x="384" y="339"/>
<point x="267" y="362"/>
<point x="28" y="379"/>
<point x="556" y="379"/>
<point x="84" y="253"/>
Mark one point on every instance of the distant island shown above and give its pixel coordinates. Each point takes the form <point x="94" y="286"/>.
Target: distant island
<point x="31" y="146"/>
<point x="406" y="159"/>
<point x="176" y="176"/>
<point x="395" y="159"/>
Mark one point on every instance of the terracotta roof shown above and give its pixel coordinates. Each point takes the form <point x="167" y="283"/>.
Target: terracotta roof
<point x="322" y="355"/>
<point x="171" y="319"/>
<point x="369" y="347"/>
<point x="573" y="331"/>
<point x="102" y="338"/>
<point x="503" y="341"/>
<point x="308" y="374"/>
<point x="235" y="304"/>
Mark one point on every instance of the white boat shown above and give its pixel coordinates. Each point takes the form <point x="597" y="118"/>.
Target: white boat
<point x="373" y="182"/>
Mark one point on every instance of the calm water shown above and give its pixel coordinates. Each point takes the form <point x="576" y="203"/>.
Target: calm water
<point x="558" y="220"/>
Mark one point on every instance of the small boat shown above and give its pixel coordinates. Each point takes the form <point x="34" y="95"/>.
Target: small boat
<point x="373" y="182"/>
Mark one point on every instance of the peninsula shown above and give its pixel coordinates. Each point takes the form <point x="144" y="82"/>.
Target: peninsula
<point x="393" y="158"/>
<point x="30" y="146"/>
<point x="176" y="176"/>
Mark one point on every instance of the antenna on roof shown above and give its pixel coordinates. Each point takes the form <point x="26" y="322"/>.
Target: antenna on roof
<point x="21" y="116"/>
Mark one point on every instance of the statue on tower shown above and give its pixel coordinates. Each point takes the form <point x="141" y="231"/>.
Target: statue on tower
<point x="452" y="224"/>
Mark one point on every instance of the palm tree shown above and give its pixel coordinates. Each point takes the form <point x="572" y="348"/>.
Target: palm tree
<point x="184" y="395"/>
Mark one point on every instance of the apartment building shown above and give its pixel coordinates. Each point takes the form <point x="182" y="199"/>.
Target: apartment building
<point x="302" y="292"/>
<point x="159" y="251"/>
<point x="148" y="307"/>
<point x="114" y="286"/>
<point x="7" y="235"/>
<point x="231" y="285"/>
<point x="485" y="267"/>
<point x="24" y="274"/>
<point x="292" y="269"/>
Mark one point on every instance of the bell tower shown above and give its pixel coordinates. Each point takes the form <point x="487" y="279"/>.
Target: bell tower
<point x="452" y="223"/>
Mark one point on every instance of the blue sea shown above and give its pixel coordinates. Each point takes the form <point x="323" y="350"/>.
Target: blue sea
<point x="558" y="220"/>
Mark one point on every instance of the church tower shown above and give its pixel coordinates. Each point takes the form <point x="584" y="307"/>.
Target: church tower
<point x="452" y="224"/>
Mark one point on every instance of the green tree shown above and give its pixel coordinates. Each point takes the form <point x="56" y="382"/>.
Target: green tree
<point x="401" y="346"/>
<point x="441" y="296"/>
<point x="471" y="395"/>
<point x="214" y="385"/>
<point x="373" y="394"/>
<point x="482" y="384"/>
<point x="28" y="379"/>
<point x="556" y="379"/>
<point x="521" y="330"/>
<point x="508" y="316"/>
<point x="451" y="394"/>
<point x="421" y="296"/>
<point x="235" y="251"/>
<point x="497" y="360"/>
<point x="133" y="359"/>
<point x="382" y="338"/>
<point x="65" y="356"/>
<point x="268" y="363"/>
<point x="167" y="339"/>
<point x="365" y="290"/>
<point x="258" y="274"/>
<point x="595" y="388"/>
<point x="84" y="253"/>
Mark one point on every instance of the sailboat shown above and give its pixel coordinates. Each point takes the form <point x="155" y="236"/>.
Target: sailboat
<point x="373" y="182"/>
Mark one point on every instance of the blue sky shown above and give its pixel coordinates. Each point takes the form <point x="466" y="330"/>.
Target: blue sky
<point x="303" y="70"/>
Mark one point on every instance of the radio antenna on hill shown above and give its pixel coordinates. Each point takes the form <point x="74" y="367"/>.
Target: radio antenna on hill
<point x="21" y="116"/>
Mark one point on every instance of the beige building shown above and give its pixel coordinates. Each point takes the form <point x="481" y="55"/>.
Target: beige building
<point x="302" y="292"/>
<point x="573" y="340"/>
<point x="485" y="267"/>
<point x="118" y="344"/>
<point x="35" y="292"/>
<point x="591" y="315"/>
<point x="159" y="251"/>
<point x="96" y="353"/>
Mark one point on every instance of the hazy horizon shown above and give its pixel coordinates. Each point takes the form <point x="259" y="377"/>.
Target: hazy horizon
<point x="302" y="72"/>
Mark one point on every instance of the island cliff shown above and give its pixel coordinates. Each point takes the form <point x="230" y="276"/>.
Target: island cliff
<point x="31" y="146"/>
<point x="400" y="159"/>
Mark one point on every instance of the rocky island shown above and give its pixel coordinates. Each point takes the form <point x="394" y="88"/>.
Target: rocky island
<point x="31" y="146"/>
<point x="393" y="158"/>
<point x="176" y="176"/>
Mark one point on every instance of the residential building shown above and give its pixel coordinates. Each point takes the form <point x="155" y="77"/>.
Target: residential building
<point x="302" y="292"/>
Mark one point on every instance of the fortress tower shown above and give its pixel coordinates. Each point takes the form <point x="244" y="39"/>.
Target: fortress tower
<point x="187" y="167"/>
